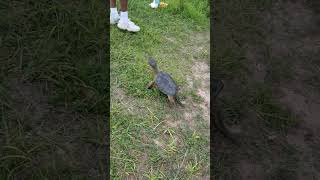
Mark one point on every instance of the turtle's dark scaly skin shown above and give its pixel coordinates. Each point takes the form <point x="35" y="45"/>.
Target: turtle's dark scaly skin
<point x="164" y="82"/>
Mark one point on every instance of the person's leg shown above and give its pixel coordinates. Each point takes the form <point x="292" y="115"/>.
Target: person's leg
<point x="124" y="10"/>
<point x="114" y="16"/>
<point x="124" y="5"/>
<point x="125" y="23"/>
<point x="113" y="3"/>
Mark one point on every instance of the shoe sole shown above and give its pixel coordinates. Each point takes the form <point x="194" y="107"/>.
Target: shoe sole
<point x="124" y="29"/>
<point x="114" y="22"/>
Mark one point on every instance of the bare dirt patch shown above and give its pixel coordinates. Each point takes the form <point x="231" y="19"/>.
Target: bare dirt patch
<point x="198" y="81"/>
<point x="256" y="66"/>
<point x="295" y="35"/>
<point x="293" y="39"/>
<point x="250" y="170"/>
<point x="130" y="104"/>
<point x="201" y="73"/>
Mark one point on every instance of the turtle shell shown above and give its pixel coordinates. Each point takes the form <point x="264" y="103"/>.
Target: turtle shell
<point x="166" y="84"/>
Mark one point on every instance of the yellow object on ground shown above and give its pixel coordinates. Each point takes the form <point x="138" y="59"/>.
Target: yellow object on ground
<point x="163" y="5"/>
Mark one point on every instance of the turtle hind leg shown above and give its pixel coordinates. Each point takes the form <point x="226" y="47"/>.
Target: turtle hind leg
<point x="178" y="101"/>
<point x="151" y="85"/>
<point x="171" y="100"/>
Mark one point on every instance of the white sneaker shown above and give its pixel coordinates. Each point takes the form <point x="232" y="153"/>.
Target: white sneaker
<point x="153" y="5"/>
<point x="114" y="18"/>
<point x="129" y="26"/>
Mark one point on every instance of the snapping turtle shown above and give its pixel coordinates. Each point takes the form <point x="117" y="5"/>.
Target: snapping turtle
<point x="164" y="82"/>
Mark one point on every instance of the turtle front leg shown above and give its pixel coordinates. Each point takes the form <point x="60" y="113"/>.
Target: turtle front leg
<point x="150" y="85"/>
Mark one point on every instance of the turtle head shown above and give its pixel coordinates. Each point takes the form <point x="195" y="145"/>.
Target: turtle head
<point x="153" y="64"/>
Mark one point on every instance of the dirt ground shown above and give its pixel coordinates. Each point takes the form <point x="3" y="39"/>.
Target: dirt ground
<point x="293" y="29"/>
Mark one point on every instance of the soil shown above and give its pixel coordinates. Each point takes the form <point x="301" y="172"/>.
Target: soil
<point x="201" y="72"/>
<point x="199" y="81"/>
<point x="294" y="38"/>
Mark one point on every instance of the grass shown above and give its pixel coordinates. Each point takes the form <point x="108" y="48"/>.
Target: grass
<point x="273" y="114"/>
<point x="143" y="145"/>
<point x="53" y="101"/>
